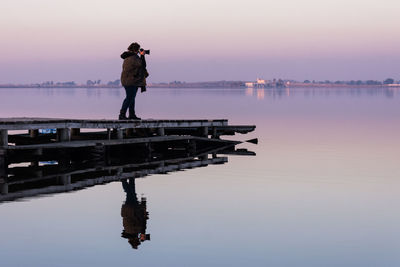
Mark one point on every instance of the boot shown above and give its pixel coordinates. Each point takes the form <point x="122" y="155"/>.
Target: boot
<point x="132" y="116"/>
<point x="122" y="115"/>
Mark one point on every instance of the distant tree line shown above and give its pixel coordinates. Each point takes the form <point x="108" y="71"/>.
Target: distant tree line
<point x="98" y="82"/>
<point x="52" y="83"/>
<point x="89" y="83"/>
<point x="114" y="83"/>
<point x="355" y="82"/>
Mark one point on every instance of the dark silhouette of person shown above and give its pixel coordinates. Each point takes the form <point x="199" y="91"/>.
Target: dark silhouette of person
<point x="134" y="216"/>
<point x="133" y="76"/>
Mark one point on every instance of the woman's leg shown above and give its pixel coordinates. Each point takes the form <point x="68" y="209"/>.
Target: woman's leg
<point x="133" y="93"/>
<point x="127" y="101"/>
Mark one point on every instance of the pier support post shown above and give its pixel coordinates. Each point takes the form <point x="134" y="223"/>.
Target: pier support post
<point x="3" y="172"/>
<point x="149" y="150"/>
<point x="3" y="165"/>
<point x="34" y="164"/>
<point x="215" y="133"/>
<point x="63" y="135"/>
<point x="120" y="134"/>
<point x="204" y="157"/>
<point x="161" y="131"/>
<point x="204" y="131"/>
<point x="192" y="148"/>
<point x="38" y="152"/>
<point x="64" y="179"/>
<point x="34" y="133"/>
<point x="98" y="153"/>
<point x="2" y="160"/>
<point x="3" y="138"/>
<point x="3" y="188"/>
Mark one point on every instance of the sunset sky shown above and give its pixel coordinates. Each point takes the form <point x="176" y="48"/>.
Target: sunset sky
<point x="200" y="40"/>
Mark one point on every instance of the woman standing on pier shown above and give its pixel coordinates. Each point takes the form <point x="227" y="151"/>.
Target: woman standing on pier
<point x="133" y="76"/>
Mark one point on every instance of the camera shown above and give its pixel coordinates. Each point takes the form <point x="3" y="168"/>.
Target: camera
<point x="147" y="52"/>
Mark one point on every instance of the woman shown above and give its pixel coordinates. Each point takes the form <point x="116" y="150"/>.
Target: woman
<point x="133" y="76"/>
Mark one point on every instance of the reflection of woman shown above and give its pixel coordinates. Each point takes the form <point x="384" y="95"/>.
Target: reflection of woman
<point x="134" y="216"/>
<point x="133" y="76"/>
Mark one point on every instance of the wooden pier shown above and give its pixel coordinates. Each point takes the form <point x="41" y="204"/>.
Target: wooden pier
<point x="71" y="142"/>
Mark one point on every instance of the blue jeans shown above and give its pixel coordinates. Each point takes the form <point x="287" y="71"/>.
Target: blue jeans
<point x="129" y="101"/>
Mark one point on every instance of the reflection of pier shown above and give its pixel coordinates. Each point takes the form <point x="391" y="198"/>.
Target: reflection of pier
<point x="31" y="180"/>
<point x="35" y="180"/>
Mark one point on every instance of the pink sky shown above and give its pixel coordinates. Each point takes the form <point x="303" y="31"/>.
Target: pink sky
<point x="200" y="40"/>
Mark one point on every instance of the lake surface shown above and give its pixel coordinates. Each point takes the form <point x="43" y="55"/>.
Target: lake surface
<point x="323" y="190"/>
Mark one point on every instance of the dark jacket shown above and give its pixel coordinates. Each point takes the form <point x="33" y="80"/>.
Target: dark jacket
<point x="133" y="70"/>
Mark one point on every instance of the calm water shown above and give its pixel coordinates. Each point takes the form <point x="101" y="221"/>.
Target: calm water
<point x="323" y="190"/>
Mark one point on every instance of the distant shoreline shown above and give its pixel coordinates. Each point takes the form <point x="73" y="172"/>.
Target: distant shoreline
<point x="205" y="85"/>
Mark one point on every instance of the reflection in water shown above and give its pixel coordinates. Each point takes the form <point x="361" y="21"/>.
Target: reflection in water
<point x="323" y="187"/>
<point x="249" y="91"/>
<point x="281" y="92"/>
<point x="34" y="180"/>
<point x="260" y="94"/>
<point x="134" y="215"/>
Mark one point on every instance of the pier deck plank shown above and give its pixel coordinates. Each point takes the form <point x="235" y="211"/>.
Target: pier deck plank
<point x="46" y="123"/>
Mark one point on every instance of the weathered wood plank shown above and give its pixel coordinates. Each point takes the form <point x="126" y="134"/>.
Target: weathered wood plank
<point x="46" y="123"/>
